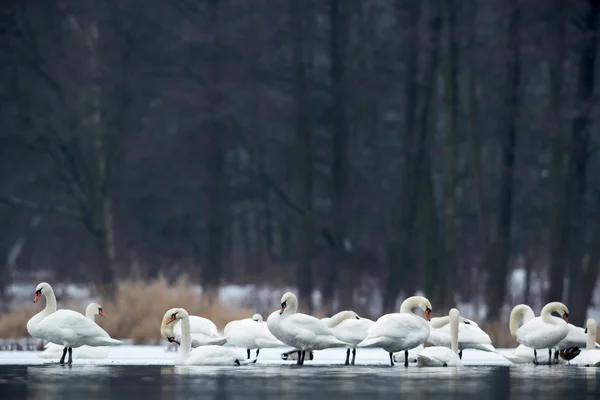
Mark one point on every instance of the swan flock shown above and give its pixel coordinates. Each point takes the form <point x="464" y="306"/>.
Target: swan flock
<point x="406" y="336"/>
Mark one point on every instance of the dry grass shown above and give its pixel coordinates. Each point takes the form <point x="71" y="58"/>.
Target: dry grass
<point x="136" y="311"/>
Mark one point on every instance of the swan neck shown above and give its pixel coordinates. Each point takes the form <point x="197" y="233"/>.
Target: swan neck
<point x="337" y="318"/>
<point x="186" y="339"/>
<point x="407" y="305"/>
<point x="50" y="301"/>
<point x="591" y="337"/>
<point x="454" y="333"/>
<point x="513" y="322"/>
<point x="439" y="322"/>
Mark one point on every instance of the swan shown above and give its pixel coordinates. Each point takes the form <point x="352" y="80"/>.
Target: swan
<point x="202" y="355"/>
<point x="53" y="350"/>
<point x="43" y="289"/>
<point x="400" y="331"/>
<point x="470" y="336"/>
<point x="543" y="332"/>
<point x="301" y="331"/>
<point x="441" y="356"/>
<point x="412" y="354"/>
<point x="71" y="329"/>
<point x="591" y="356"/>
<point x="251" y="333"/>
<point x="522" y="354"/>
<point x="348" y="327"/>
<point x="203" y="332"/>
<point x="576" y="339"/>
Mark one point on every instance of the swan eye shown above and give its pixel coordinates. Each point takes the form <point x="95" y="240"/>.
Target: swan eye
<point x="38" y="291"/>
<point x="585" y="330"/>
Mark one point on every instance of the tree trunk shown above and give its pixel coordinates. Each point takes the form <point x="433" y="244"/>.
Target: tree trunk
<point x="215" y="167"/>
<point x="337" y="268"/>
<point x="449" y="269"/>
<point x="558" y="231"/>
<point x="303" y="174"/>
<point x="499" y="267"/>
<point x="577" y="172"/>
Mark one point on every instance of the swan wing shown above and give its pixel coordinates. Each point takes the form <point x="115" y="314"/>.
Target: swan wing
<point x="438" y="356"/>
<point x="215" y="355"/>
<point x="539" y="334"/>
<point x="576" y="337"/>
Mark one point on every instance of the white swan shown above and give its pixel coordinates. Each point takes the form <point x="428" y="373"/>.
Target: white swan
<point x="350" y="328"/>
<point x="545" y="331"/>
<point x="440" y="356"/>
<point x="400" y="331"/>
<point x="43" y="289"/>
<point x="591" y="356"/>
<point x="203" y="332"/>
<point x="72" y="329"/>
<point x="522" y="354"/>
<point x="301" y="331"/>
<point x="576" y="339"/>
<point x="202" y="355"/>
<point x="53" y="350"/>
<point x="251" y="333"/>
<point x="470" y="335"/>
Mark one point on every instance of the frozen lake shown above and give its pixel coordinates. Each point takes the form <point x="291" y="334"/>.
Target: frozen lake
<point x="147" y="372"/>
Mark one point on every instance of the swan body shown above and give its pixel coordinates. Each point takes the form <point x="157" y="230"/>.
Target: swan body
<point x="348" y="327"/>
<point x="202" y="355"/>
<point x="53" y="350"/>
<point x="591" y="356"/>
<point x="400" y="331"/>
<point x="251" y="333"/>
<point x="301" y="331"/>
<point x="440" y="356"/>
<point x="43" y="289"/>
<point x="522" y="354"/>
<point x="542" y="332"/>
<point x="470" y="335"/>
<point x="72" y="329"/>
<point x="203" y="332"/>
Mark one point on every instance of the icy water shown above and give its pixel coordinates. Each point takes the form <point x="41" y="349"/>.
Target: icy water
<point x="147" y="372"/>
<point x="291" y="382"/>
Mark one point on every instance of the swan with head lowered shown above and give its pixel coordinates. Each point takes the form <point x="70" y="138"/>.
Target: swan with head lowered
<point x="43" y="289"/>
<point x="400" y="331"/>
<point x="202" y="330"/>
<point x="591" y="356"/>
<point x="470" y="335"/>
<point x="70" y="329"/>
<point x="522" y="354"/>
<point x="202" y="355"/>
<point x="251" y="333"/>
<point x="440" y="356"/>
<point x="348" y="327"/>
<point x="544" y="332"/>
<point x="301" y="331"/>
<point x="53" y="350"/>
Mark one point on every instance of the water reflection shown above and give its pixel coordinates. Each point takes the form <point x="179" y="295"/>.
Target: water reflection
<point x="290" y="382"/>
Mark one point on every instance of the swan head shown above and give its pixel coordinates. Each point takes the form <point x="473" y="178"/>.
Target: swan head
<point x="95" y="309"/>
<point x="257" y="318"/>
<point x="166" y="329"/>
<point x="288" y="302"/>
<point x="417" y="301"/>
<point x="41" y="289"/>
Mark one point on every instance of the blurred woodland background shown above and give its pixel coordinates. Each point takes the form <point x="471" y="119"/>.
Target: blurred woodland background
<point x="346" y="146"/>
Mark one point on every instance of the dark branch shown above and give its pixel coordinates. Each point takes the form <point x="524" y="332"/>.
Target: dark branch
<point x="43" y="208"/>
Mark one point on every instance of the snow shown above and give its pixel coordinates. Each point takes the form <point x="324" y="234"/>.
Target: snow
<point x="158" y="355"/>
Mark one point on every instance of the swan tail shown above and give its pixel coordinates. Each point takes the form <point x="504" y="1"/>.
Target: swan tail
<point x="487" y="347"/>
<point x="218" y="341"/>
<point x="269" y="344"/>
<point x="368" y="342"/>
<point x="111" y="342"/>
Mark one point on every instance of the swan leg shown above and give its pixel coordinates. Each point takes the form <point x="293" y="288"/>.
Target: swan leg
<point x="70" y="355"/>
<point x="353" y="355"/>
<point x="460" y="354"/>
<point x="299" y="361"/>
<point x="248" y="353"/>
<point x="257" y="351"/>
<point x="406" y="358"/>
<point x="62" y="359"/>
<point x="303" y="356"/>
<point x="549" y="356"/>
<point x="347" y="357"/>
<point x="392" y="359"/>
<point x="556" y="356"/>
<point x="535" y="361"/>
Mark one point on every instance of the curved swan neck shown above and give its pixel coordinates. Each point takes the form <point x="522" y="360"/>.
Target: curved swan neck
<point x="439" y="322"/>
<point x="407" y="305"/>
<point x="454" y="314"/>
<point x="50" y="301"/>
<point x="518" y="311"/>
<point x="547" y="313"/>
<point x="339" y="317"/>
<point x="591" y="334"/>
<point x="186" y="339"/>
<point x="90" y="313"/>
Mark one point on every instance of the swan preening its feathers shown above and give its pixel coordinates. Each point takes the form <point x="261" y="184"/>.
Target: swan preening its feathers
<point x="251" y="333"/>
<point x="65" y="327"/>
<point x="440" y="356"/>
